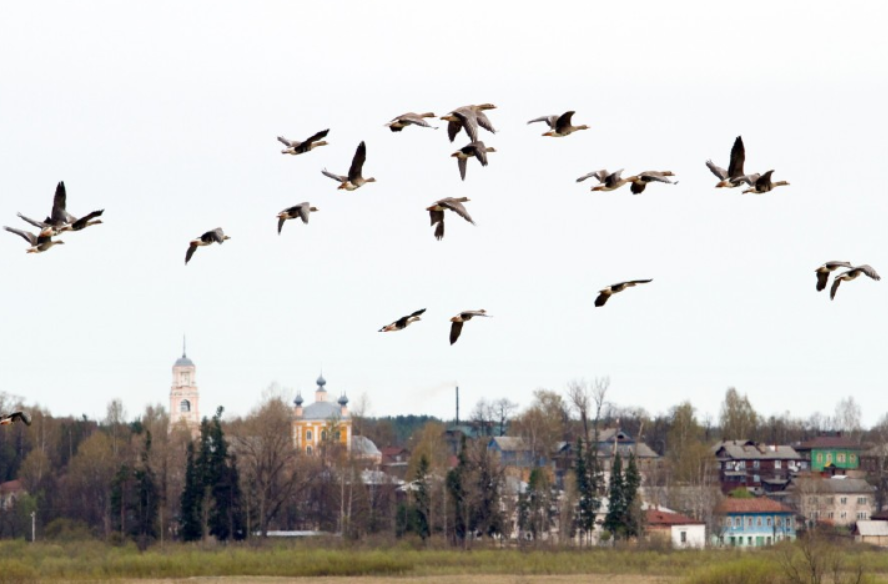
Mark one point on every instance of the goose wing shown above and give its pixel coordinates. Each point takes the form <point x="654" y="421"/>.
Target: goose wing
<point x="603" y="295"/>
<point x="483" y="121"/>
<point x="457" y="207"/>
<point x="480" y="152"/>
<point x="563" y="121"/>
<point x="304" y="211"/>
<point x="315" y="137"/>
<point x="463" y="164"/>
<point x="357" y="162"/>
<point x="867" y="270"/>
<point x="601" y="175"/>
<point x="718" y="171"/>
<point x="453" y="129"/>
<point x="822" y="278"/>
<point x="738" y="157"/>
<point x="286" y="142"/>
<point x="26" y="235"/>
<point x="551" y="121"/>
<point x="418" y="312"/>
<point x="38" y="224"/>
<point x="336" y="177"/>
<point x="83" y="221"/>
<point x="835" y="286"/>
<point x="469" y="121"/>
<point x="191" y="249"/>
<point x="455" y="330"/>
<point x="59" y="201"/>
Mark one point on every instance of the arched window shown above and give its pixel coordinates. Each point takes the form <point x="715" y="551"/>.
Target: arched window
<point x="184" y="406"/>
<point x="308" y="436"/>
<point x="308" y="449"/>
<point x="338" y="435"/>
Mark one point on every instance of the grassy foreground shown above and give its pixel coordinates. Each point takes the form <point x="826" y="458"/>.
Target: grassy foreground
<point x="25" y="563"/>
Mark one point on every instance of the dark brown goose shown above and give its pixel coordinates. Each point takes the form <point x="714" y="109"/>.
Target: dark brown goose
<point x="606" y="293"/>
<point x="402" y="322"/>
<point x="733" y="177"/>
<point x="474" y="149"/>
<point x="208" y="238"/>
<point x="300" y="211"/>
<point x="295" y="147"/>
<point x="560" y="125"/>
<point x="458" y="320"/>
<point x="643" y="178"/>
<point x="355" y="179"/>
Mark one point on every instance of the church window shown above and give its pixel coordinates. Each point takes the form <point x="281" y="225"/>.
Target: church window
<point x="308" y="449"/>
<point x="308" y="435"/>
<point x="323" y="434"/>
<point x="338" y="435"/>
<point x="184" y="406"/>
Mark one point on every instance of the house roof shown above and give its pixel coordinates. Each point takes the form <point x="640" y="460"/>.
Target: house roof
<point x="659" y="517"/>
<point x="872" y="528"/>
<point x="363" y="446"/>
<point x="323" y="410"/>
<point x="11" y="487"/>
<point x="759" y="505"/>
<point x="749" y="450"/>
<point x="508" y="443"/>
<point x="822" y="442"/>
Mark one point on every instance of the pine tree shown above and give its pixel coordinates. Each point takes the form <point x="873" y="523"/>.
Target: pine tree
<point x="456" y="488"/>
<point x="588" y="502"/>
<point x="191" y="502"/>
<point x="632" y="504"/>
<point x="421" y="499"/>
<point x="614" y="521"/>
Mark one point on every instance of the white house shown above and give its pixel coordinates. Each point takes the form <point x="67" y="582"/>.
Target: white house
<point x="680" y="530"/>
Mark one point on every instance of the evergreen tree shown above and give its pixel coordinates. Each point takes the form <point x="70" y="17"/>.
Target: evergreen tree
<point x="456" y="488"/>
<point x="535" y="512"/>
<point x="191" y="502"/>
<point x="614" y="521"/>
<point x="631" y="483"/>
<point x="587" y="492"/>
<point x="421" y="499"/>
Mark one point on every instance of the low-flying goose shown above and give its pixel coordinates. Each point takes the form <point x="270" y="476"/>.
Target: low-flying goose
<point x="643" y="178"/>
<point x="606" y="293"/>
<point x="39" y="243"/>
<point x="459" y="319"/>
<point x="436" y="212"/>
<point x="208" y="238"/>
<point x="468" y="118"/>
<point x="300" y="211"/>
<point x="560" y="125"/>
<point x="852" y="274"/>
<point x="6" y="419"/>
<point x="609" y="181"/>
<point x="294" y="147"/>
<point x="733" y="177"/>
<point x="824" y="271"/>
<point x="402" y="322"/>
<point x="761" y="184"/>
<point x="476" y="149"/>
<point x="399" y="123"/>
<point x="354" y="180"/>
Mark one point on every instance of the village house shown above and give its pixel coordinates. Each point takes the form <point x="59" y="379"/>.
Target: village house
<point x="753" y="522"/>
<point x="837" y="500"/>
<point x="395" y="460"/>
<point x="832" y="453"/>
<point x="871" y="532"/>
<point x="9" y="492"/>
<point x="760" y="468"/>
<point x="611" y="441"/>
<point x="680" y="530"/>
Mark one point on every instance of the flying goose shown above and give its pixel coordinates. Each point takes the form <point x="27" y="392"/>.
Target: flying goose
<point x="560" y="125"/>
<point x="609" y="181"/>
<point x="7" y="419"/>
<point x="468" y="118"/>
<point x="354" y="180"/>
<point x="762" y="184"/>
<point x="852" y="274"/>
<point x="476" y="149"/>
<point x="39" y="243"/>
<point x="293" y="147"/>
<point x="606" y="293"/>
<point x="60" y="220"/>
<point x="643" y="178"/>
<point x="402" y="322"/>
<point x="824" y="271"/>
<point x="733" y="177"/>
<point x="436" y="212"/>
<point x="208" y="238"/>
<point x="459" y="319"/>
<point x="300" y="211"/>
<point x="399" y="123"/>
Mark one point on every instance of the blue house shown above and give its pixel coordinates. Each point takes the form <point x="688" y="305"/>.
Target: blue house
<point x="512" y="452"/>
<point x="753" y="522"/>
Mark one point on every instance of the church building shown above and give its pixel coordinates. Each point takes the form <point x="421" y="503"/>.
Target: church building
<point x="184" y="397"/>
<point x="322" y="421"/>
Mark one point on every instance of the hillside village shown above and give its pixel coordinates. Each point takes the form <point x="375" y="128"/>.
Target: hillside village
<point x="571" y="468"/>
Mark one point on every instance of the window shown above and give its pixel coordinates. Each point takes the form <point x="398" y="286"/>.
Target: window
<point x="323" y="434"/>
<point x="778" y="521"/>
<point x="749" y="540"/>
<point x="853" y="458"/>
<point x="768" y="522"/>
<point x="338" y="437"/>
<point x="738" y="522"/>
<point x="861" y="500"/>
<point x="749" y="522"/>
<point x="755" y="464"/>
<point x="830" y="515"/>
<point x="308" y="435"/>
<point x="819" y="457"/>
<point x="184" y="406"/>
<point x="812" y="500"/>
<point x="778" y="464"/>
<point x="840" y="457"/>
<point x="862" y="515"/>
<point x="843" y="500"/>
<point x="684" y="537"/>
<point x="741" y="465"/>
<point x="758" y="522"/>
<point x="830" y="500"/>
<point x="844" y="514"/>
<point x="768" y="539"/>
<point x="829" y="457"/>
<point x="756" y="479"/>
<point x="308" y="449"/>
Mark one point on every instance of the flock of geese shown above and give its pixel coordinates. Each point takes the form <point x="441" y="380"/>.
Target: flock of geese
<point x="468" y="119"/>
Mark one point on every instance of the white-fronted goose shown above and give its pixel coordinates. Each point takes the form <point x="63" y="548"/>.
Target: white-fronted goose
<point x="852" y="274"/>
<point x="354" y="180"/>
<point x="410" y="119"/>
<point x="733" y="177"/>
<point x="468" y="118"/>
<point x="39" y="243"/>
<point x="294" y="147"/>
<point x="643" y="178"/>
<point x="824" y="271"/>
<point x="476" y="149"/>
<point x="60" y="220"/>
<point x="609" y="181"/>
<point x="208" y="238"/>
<point x="402" y="322"/>
<point x="436" y="212"/>
<point x="763" y="184"/>
<point x="606" y="293"/>
<point x="459" y="319"/>
<point x="560" y="125"/>
<point x="300" y="211"/>
<point x="23" y="417"/>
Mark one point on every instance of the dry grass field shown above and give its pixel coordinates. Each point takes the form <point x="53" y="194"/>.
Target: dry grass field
<point x="461" y="579"/>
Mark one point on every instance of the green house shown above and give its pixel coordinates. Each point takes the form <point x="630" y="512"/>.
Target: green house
<point x="831" y="452"/>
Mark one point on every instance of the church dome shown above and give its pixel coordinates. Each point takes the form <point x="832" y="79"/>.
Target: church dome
<point x="321" y="381"/>
<point x="343" y="400"/>
<point x="183" y="361"/>
<point x="298" y="401"/>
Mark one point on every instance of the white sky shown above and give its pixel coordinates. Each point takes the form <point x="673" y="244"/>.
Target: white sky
<point x="165" y="115"/>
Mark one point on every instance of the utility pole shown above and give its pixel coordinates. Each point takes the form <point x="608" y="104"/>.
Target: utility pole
<point x="33" y="525"/>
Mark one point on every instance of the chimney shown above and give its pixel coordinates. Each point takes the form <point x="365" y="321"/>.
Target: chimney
<point x="457" y="405"/>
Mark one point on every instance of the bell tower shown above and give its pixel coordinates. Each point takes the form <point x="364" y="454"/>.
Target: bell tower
<point x="184" y="397"/>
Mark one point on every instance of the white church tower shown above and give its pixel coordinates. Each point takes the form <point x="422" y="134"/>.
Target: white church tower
<point x="184" y="397"/>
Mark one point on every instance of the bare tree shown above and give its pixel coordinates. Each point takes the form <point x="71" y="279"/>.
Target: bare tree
<point x="579" y="394"/>
<point x="504" y="408"/>
<point x="848" y="418"/>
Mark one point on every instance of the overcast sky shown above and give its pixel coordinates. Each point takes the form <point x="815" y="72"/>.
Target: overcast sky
<point x="165" y="114"/>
